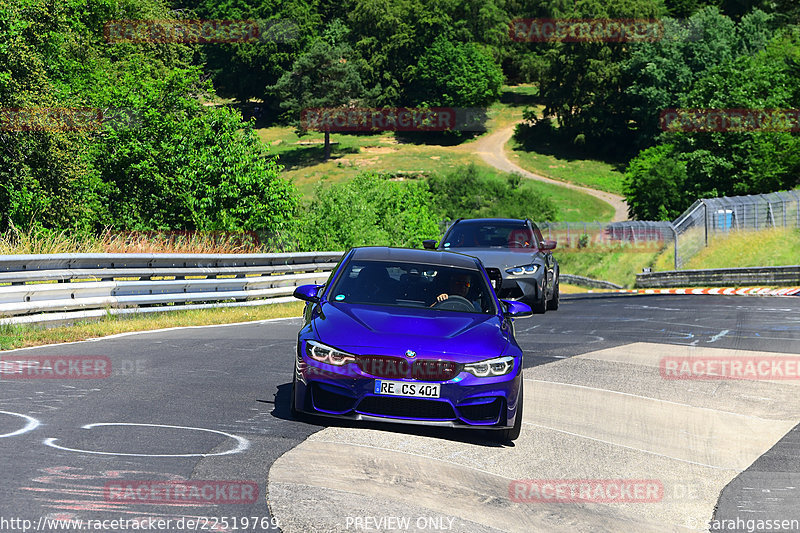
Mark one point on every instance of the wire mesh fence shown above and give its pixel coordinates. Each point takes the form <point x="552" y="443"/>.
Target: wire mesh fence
<point x="631" y="236"/>
<point x="711" y="218"/>
<point x="705" y="220"/>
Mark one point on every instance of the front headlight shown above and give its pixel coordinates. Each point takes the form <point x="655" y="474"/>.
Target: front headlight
<point x="520" y="270"/>
<point x="328" y="354"/>
<point x="498" y="366"/>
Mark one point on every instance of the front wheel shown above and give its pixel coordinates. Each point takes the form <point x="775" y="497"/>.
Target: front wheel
<point x="540" y="305"/>
<point x="505" y="435"/>
<point x="292" y="404"/>
<point x="552" y="304"/>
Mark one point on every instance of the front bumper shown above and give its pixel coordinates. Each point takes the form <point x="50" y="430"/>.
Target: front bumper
<point x="465" y="401"/>
<point x="527" y="288"/>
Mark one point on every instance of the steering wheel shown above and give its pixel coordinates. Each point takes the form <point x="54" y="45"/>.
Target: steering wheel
<point x="455" y="303"/>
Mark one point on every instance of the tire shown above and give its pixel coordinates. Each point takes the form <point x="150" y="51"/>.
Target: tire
<point x="292" y="405"/>
<point x="506" y="435"/>
<point x="540" y="306"/>
<point x="552" y="304"/>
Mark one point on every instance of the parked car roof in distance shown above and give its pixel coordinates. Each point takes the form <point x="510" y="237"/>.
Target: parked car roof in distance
<point x="430" y="257"/>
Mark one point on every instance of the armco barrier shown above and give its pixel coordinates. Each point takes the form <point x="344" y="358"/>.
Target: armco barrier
<point x="581" y="281"/>
<point x="65" y="287"/>
<point x="723" y="277"/>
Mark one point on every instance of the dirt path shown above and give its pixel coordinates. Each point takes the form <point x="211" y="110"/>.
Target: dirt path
<point x="491" y="149"/>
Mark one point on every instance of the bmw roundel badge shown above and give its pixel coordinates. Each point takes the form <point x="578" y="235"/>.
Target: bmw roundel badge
<point x="411" y="353"/>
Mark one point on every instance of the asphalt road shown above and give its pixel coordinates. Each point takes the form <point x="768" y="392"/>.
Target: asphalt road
<point x="206" y="404"/>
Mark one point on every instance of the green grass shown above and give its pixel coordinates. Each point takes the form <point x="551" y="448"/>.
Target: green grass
<point x="774" y="247"/>
<point x="617" y="267"/>
<point x="562" y="166"/>
<point x="354" y="154"/>
<point x="394" y="153"/>
<point x="574" y="206"/>
<point x="20" y="336"/>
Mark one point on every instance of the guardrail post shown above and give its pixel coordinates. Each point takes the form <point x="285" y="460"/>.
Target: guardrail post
<point x="705" y="220"/>
<point x="797" y="202"/>
<point x="675" y="244"/>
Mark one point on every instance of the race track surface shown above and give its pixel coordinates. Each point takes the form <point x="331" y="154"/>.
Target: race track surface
<point x="210" y="404"/>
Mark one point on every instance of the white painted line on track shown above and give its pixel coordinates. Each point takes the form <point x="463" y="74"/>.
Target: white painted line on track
<point x="30" y="426"/>
<point x="243" y="444"/>
<point x="719" y="335"/>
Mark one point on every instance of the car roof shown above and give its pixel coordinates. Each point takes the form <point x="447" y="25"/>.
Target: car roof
<point x="519" y="221"/>
<point x="416" y="255"/>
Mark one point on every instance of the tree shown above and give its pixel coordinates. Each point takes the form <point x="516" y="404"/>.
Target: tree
<point x="187" y="166"/>
<point x="244" y="70"/>
<point x="455" y="74"/>
<point x="654" y="182"/>
<point x="660" y="74"/>
<point x="583" y="84"/>
<point x="726" y="161"/>
<point x="326" y="76"/>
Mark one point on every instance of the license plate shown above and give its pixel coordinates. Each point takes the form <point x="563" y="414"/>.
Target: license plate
<point x="405" y="388"/>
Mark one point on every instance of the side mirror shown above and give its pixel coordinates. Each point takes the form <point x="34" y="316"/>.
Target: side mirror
<point x="516" y="309"/>
<point x="548" y="245"/>
<point x="429" y="244"/>
<point x="307" y="293"/>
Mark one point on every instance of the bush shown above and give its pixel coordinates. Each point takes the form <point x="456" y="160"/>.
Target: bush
<point x="467" y="192"/>
<point x="369" y="210"/>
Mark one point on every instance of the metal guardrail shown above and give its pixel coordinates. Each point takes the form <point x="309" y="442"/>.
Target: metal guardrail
<point x="67" y="287"/>
<point x="722" y="277"/>
<point x="582" y="281"/>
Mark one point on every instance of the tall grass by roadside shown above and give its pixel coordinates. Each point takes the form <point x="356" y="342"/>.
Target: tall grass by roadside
<point x="46" y="241"/>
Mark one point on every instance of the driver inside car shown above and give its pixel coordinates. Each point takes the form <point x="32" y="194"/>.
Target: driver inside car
<point x="458" y="285"/>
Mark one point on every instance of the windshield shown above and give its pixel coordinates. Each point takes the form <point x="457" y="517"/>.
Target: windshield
<point x="489" y="236"/>
<point x="414" y="285"/>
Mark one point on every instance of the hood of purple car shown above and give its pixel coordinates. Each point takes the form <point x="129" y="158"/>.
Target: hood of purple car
<point x="393" y="330"/>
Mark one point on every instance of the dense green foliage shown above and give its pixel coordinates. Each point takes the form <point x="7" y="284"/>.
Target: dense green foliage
<point x="380" y="210"/>
<point x="606" y="99"/>
<point x="176" y="164"/>
<point x="455" y="75"/>
<point x="185" y="161"/>
<point x="469" y="193"/>
<point x="368" y="210"/>
<point x="725" y="163"/>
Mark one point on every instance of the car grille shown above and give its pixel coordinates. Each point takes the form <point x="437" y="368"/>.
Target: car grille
<point x="399" y="368"/>
<point x="406" y="408"/>
<point x="482" y="412"/>
<point x="327" y="400"/>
